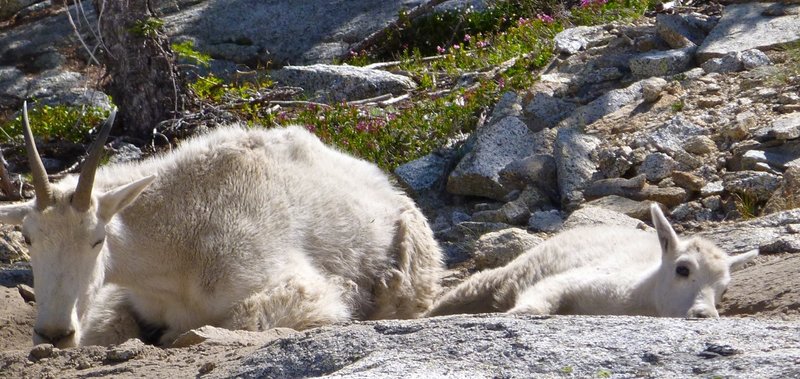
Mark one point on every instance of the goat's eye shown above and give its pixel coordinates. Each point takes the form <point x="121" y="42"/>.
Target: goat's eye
<point x="98" y="242"/>
<point x="682" y="271"/>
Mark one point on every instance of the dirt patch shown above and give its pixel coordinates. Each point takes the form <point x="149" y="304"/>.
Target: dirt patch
<point x="769" y="289"/>
<point x="16" y="320"/>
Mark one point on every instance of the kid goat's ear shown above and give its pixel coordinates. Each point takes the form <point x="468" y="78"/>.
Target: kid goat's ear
<point x="666" y="235"/>
<point x="737" y="262"/>
<point x="14" y="213"/>
<point x="118" y="198"/>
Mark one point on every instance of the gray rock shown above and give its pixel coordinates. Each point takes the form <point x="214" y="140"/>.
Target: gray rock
<point x="760" y="185"/>
<point x="525" y="346"/>
<point x="496" y="145"/>
<point x="745" y="27"/>
<point x="573" y="40"/>
<point x="12" y="245"/>
<point x="26" y="292"/>
<point x="700" y="145"/>
<point x="48" y="60"/>
<point x="784" y="155"/>
<point x="613" y="163"/>
<point x="605" y="104"/>
<point x="636" y="209"/>
<point x="515" y="212"/>
<point x="330" y="83"/>
<point x="629" y="188"/>
<point x="754" y="58"/>
<point x="652" y="89"/>
<point x="688" y="180"/>
<point x="730" y="62"/>
<point x="595" y="216"/>
<point x="551" y="221"/>
<point x="496" y="249"/>
<point x="761" y="233"/>
<point x="671" y="137"/>
<point x="512" y="213"/>
<point x="509" y="104"/>
<point x="657" y="166"/>
<point x="783" y="128"/>
<point x="250" y="31"/>
<point x="211" y="335"/>
<point x="691" y="211"/>
<point x="422" y="174"/>
<point x="42" y="351"/>
<point x="125" y="152"/>
<point x="9" y="7"/>
<point x="537" y="170"/>
<point x="736" y="61"/>
<point x="545" y="111"/>
<point x="575" y="165"/>
<point x="712" y="188"/>
<point x="662" y="63"/>
<point x="677" y="31"/>
<point x="125" y="351"/>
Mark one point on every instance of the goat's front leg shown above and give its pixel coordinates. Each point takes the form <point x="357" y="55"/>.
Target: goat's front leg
<point x="301" y="299"/>
<point x="110" y="320"/>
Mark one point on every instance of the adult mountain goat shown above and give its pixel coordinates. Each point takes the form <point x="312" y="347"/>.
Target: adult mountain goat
<point x="604" y="271"/>
<point x="239" y="228"/>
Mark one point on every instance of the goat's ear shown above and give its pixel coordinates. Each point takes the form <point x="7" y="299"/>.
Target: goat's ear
<point x="118" y="198"/>
<point x="666" y="235"/>
<point x="14" y="213"/>
<point x="737" y="262"/>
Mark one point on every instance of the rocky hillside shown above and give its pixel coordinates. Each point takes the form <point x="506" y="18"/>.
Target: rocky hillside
<point x="694" y="108"/>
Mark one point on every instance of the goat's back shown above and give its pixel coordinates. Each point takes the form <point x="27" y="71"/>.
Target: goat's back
<point x="230" y="208"/>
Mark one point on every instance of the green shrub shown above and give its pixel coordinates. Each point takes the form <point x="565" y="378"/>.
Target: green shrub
<point x="60" y="122"/>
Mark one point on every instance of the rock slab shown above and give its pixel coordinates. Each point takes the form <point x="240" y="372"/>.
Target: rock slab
<point x="492" y="346"/>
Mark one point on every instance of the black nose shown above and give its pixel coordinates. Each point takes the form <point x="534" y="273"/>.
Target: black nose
<point x="54" y="336"/>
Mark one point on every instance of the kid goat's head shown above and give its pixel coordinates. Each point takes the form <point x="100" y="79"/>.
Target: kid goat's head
<point x="65" y="233"/>
<point x="694" y="273"/>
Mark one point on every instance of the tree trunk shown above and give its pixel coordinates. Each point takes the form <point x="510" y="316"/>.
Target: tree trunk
<point x="144" y="83"/>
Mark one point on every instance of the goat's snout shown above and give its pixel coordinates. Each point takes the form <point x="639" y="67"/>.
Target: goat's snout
<point x="57" y="337"/>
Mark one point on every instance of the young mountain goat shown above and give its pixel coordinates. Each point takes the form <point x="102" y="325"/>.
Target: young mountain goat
<point x="243" y="229"/>
<point x="604" y="271"/>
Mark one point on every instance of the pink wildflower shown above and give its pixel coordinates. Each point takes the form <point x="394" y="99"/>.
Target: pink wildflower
<point x="440" y="50"/>
<point x="456" y="46"/>
<point x="363" y="126"/>
<point x="482" y="44"/>
<point x="547" y="19"/>
<point x="467" y="37"/>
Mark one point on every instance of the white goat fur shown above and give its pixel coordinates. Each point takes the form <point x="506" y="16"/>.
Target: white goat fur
<point x="244" y="229"/>
<point x="604" y="271"/>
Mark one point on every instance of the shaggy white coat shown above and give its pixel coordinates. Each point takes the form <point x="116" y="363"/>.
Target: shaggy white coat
<point x="244" y="229"/>
<point x="604" y="271"/>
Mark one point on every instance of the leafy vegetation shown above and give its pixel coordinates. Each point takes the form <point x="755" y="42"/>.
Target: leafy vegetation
<point x="148" y="27"/>
<point x="185" y="50"/>
<point x="462" y="60"/>
<point x="59" y="122"/>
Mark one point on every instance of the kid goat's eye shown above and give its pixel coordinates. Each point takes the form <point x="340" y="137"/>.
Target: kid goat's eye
<point x="98" y="242"/>
<point x="682" y="271"/>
